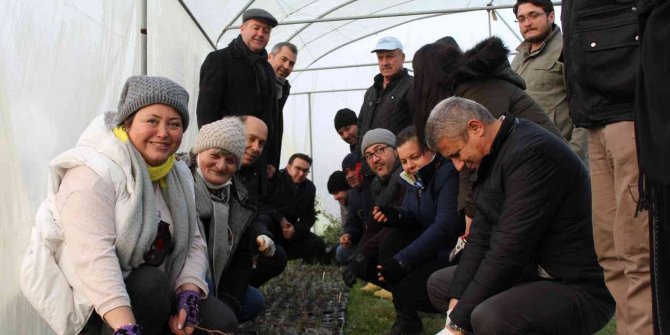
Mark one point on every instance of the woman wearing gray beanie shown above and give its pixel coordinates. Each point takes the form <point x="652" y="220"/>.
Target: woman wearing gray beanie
<point x="226" y="215"/>
<point x="119" y="226"/>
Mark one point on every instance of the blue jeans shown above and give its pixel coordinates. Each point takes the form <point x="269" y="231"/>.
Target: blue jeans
<point x="252" y="305"/>
<point x="342" y="254"/>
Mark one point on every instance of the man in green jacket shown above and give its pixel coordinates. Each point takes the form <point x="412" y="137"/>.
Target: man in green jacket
<point x="540" y="64"/>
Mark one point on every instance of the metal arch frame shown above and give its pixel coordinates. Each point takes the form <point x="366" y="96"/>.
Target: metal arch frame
<point x="338" y="7"/>
<point x="228" y="26"/>
<point x="489" y="8"/>
<point x="344" y="4"/>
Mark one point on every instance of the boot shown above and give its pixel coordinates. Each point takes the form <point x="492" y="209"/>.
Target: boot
<point x="384" y="294"/>
<point x="370" y="288"/>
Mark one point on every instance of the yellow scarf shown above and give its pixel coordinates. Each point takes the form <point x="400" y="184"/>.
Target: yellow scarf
<point x="156" y="173"/>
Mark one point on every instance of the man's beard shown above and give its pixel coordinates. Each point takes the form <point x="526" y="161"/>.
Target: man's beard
<point x="541" y="37"/>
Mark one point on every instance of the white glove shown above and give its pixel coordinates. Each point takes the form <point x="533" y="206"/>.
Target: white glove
<point x="266" y="245"/>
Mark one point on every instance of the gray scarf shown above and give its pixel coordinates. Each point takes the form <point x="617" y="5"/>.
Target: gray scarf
<point x="142" y="220"/>
<point x="214" y="209"/>
<point x="279" y="83"/>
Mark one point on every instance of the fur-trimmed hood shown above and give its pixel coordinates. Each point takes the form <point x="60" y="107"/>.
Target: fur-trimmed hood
<point x="487" y="59"/>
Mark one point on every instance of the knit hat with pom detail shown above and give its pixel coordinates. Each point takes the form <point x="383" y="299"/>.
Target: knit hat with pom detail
<point x="226" y="134"/>
<point x="142" y="91"/>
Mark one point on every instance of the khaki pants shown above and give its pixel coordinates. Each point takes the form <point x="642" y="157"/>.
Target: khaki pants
<point x="621" y="239"/>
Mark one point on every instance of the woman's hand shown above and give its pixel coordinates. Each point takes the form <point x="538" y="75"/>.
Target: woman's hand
<point x="177" y="324"/>
<point x="119" y="317"/>
<point x="185" y="312"/>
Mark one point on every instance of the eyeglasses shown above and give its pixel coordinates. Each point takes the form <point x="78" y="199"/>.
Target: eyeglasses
<point x="379" y="151"/>
<point x="529" y="16"/>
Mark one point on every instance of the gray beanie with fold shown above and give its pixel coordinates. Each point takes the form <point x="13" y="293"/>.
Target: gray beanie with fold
<point x="226" y="134"/>
<point x="142" y="91"/>
<point x="377" y="135"/>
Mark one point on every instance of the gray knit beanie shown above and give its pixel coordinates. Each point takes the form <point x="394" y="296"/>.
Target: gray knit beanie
<point x="378" y="135"/>
<point x="142" y="91"/>
<point x="226" y="134"/>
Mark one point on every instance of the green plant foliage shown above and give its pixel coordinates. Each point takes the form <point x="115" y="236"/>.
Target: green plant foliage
<point x="333" y="228"/>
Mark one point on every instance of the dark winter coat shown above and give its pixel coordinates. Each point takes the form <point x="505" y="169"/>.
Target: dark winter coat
<point x="356" y="217"/>
<point x="483" y="74"/>
<point x="229" y="85"/>
<point x="432" y="207"/>
<point x="533" y="209"/>
<point x="387" y="108"/>
<point x="255" y="181"/>
<point x="600" y="53"/>
<point x="383" y="192"/>
<point x="294" y="202"/>
<point x="653" y="145"/>
<point x="653" y="85"/>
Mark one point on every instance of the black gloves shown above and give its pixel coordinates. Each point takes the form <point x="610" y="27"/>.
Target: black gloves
<point x="392" y="271"/>
<point x="357" y="267"/>
<point x="392" y="216"/>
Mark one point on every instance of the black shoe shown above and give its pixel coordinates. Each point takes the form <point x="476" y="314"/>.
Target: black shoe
<point x="398" y="329"/>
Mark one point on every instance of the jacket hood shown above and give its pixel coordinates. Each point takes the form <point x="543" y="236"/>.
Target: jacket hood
<point x="487" y="59"/>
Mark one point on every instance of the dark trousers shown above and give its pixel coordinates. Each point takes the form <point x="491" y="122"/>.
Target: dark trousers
<point x="151" y="298"/>
<point x="410" y="294"/>
<point x="268" y="267"/>
<point x="537" y="307"/>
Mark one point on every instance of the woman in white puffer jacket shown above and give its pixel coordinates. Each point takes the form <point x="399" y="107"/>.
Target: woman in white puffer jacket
<point x="118" y="231"/>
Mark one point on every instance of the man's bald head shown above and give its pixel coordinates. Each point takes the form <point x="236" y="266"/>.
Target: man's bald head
<point x="257" y="135"/>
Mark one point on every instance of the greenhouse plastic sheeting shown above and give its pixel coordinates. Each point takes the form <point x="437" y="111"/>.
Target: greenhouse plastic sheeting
<point x="63" y="62"/>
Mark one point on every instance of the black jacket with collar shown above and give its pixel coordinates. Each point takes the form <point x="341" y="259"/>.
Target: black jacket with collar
<point x="387" y="108"/>
<point x="295" y="202"/>
<point x="533" y="203"/>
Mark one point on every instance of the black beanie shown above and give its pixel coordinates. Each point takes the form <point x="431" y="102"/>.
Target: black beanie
<point x="337" y="182"/>
<point x="349" y="161"/>
<point x="345" y="117"/>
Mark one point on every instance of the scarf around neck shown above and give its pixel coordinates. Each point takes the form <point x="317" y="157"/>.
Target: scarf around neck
<point x="257" y="60"/>
<point x="140" y="225"/>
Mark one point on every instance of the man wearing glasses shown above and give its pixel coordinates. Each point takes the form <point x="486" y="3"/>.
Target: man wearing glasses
<point x="378" y="150"/>
<point x="539" y="63"/>
<point x="289" y="210"/>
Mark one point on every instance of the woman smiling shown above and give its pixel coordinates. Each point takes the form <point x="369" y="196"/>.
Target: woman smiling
<point x="118" y="230"/>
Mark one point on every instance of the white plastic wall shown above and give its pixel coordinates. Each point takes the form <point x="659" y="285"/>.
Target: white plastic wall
<point x="62" y="62"/>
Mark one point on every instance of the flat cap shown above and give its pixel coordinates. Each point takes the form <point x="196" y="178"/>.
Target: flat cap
<point x="259" y="14"/>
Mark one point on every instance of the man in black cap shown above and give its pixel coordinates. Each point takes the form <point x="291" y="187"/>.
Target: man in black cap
<point x="346" y="125"/>
<point x="238" y="80"/>
<point x="353" y="221"/>
<point x="339" y="189"/>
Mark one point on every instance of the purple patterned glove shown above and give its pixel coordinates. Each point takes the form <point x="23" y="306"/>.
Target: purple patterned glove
<point x="188" y="300"/>
<point x="129" y="329"/>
